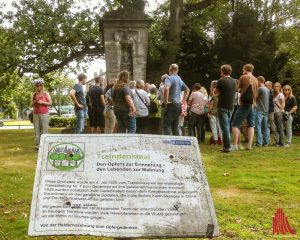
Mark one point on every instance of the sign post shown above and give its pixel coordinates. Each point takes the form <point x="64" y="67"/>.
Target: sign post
<point x="121" y="186"/>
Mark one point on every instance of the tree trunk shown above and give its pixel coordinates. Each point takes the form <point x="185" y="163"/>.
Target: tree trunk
<point x="173" y="38"/>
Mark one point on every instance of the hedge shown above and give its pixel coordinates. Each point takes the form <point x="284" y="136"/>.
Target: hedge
<point x="62" y="122"/>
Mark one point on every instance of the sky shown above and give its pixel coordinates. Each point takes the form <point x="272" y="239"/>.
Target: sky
<point x="98" y="64"/>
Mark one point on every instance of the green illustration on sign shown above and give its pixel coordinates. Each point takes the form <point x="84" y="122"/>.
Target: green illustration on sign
<point x="65" y="156"/>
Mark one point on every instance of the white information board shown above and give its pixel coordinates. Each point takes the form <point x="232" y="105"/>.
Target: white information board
<point x="121" y="186"/>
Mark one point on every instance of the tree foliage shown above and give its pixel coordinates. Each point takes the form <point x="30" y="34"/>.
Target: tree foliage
<point x="49" y="34"/>
<point x="59" y="86"/>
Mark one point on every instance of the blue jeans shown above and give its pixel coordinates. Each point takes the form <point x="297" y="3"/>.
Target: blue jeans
<point x="171" y="119"/>
<point x="80" y="119"/>
<point x="131" y="125"/>
<point x="125" y="122"/>
<point x="262" y="129"/>
<point x="224" y="120"/>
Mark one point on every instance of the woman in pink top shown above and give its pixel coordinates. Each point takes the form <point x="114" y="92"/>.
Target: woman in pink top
<point x="40" y="102"/>
<point x="196" y="103"/>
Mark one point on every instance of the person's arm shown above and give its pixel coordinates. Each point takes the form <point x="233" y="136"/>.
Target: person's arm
<point x="130" y="104"/>
<point x="240" y="84"/>
<point x="294" y="108"/>
<point x="102" y="100"/>
<point x="185" y="95"/>
<point x="281" y="104"/>
<point x="73" y="97"/>
<point x="166" y="95"/>
<point x="190" y="101"/>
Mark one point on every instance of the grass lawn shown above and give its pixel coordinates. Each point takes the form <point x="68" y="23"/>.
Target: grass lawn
<point x="247" y="187"/>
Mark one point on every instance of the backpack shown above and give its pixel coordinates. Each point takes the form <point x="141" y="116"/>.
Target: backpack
<point x="247" y="96"/>
<point x="153" y="108"/>
<point x="30" y="116"/>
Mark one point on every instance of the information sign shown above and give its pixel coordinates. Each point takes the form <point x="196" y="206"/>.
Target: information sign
<point x="121" y="186"/>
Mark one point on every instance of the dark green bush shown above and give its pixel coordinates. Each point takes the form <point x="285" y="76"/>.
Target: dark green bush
<point x="62" y="122"/>
<point x="296" y="122"/>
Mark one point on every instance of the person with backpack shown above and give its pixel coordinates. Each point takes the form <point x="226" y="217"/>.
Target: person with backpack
<point x="41" y="101"/>
<point x="247" y="86"/>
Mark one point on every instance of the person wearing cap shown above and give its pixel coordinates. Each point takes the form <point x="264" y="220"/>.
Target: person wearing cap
<point x="41" y="100"/>
<point x="77" y="96"/>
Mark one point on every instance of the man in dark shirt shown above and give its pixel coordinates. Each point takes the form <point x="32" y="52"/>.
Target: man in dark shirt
<point x="78" y="98"/>
<point x="96" y="95"/>
<point x="226" y="88"/>
<point x="271" y="120"/>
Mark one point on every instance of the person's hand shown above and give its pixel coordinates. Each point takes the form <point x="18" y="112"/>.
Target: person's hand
<point x="80" y="106"/>
<point x="132" y="112"/>
<point x="165" y="104"/>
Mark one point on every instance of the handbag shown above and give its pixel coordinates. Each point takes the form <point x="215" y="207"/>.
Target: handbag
<point x="285" y="116"/>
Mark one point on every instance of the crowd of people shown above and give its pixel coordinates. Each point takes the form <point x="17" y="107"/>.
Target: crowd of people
<point x="136" y="107"/>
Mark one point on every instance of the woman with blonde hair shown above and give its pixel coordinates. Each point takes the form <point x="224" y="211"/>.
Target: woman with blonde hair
<point x="123" y="104"/>
<point x="279" y="105"/>
<point x="41" y="100"/>
<point x="290" y="108"/>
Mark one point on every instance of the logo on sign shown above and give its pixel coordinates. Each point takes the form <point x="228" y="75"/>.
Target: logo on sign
<point x="178" y="142"/>
<point x="66" y="157"/>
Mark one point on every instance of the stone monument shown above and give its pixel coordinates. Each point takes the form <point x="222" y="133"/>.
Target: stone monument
<point x="125" y="36"/>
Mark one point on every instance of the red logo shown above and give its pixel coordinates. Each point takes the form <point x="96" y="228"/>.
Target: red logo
<point x="281" y="224"/>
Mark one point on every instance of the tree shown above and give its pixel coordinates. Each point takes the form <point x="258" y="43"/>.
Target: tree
<point x="49" y="34"/>
<point x="22" y="95"/>
<point x="171" y="34"/>
<point x="59" y="86"/>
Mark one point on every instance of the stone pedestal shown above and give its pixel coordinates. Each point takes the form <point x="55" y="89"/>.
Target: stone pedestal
<point x="126" y="44"/>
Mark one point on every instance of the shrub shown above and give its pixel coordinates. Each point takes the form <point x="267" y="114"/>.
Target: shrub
<point x="296" y="122"/>
<point x="62" y="122"/>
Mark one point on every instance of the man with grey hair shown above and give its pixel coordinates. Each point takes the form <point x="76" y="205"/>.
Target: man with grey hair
<point x="160" y="95"/>
<point x="172" y="103"/>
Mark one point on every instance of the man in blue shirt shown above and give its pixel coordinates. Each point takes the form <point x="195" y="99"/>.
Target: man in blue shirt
<point x="172" y="100"/>
<point x="79" y="100"/>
